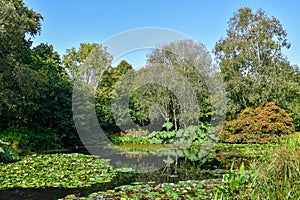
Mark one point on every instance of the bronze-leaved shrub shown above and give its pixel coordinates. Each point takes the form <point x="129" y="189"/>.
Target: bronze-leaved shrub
<point x="258" y="125"/>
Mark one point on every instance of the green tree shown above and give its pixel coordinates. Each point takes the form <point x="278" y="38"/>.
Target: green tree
<point x="293" y="104"/>
<point x="18" y="82"/>
<point x="54" y="104"/>
<point x="105" y="92"/>
<point x="86" y="67"/>
<point x="35" y="89"/>
<point x="87" y="63"/>
<point x="252" y="64"/>
<point x="191" y="67"/>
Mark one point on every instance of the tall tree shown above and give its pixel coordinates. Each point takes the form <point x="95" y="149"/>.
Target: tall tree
<point x="105" y="92"/>
<point x="18" y="81"/>
<point x="88" y="62"/>
<point x="187" y="65"/>
<point x="86" y="67"/>
<point x="54" y="104"/>
<point x="252" y="64"/>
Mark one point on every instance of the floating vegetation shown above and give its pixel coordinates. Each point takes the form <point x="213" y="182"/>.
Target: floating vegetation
<point x="55" y="170"/>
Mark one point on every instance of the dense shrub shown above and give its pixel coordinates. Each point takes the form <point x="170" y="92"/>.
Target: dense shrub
<point x="6" y="154"/>
<point x="136" y="132"/>
<point x="22" y="141"/>
<point x="195" y="135"/>
<point x="128" y="139"/>
<point x="259" y="125"/>
<point x="18" y="140"/>
<point x="131" y="136"/>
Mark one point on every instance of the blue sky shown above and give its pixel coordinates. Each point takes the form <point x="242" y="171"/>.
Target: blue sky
<point x="68" y="23"/>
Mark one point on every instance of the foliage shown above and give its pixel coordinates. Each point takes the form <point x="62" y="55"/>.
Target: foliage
<point x="36" y="91"/>
<point x="44" y="139"/>
<point x="137" y="132"/>
<point x="259" y="125"/>
<point x="55" y="170"/>
<point x="88" y="62"/>
<point x="294" y="109"/>
<point x="50" y="108"/>
<point x="18" y="140"/>
<point x="190" y="189"/>
<point x="236" y="154"/>
<point x="54" y="104"/>
<point x="128" y="139"/>
<point x="278" y="173"/>
<point x="161" y="137"/>
<point x="186" y="65"/>
<point x="23" y="141"/>
<point x="252" y="64"/>
<point x="191" y="135"/>
<point x="234" y="184"/>
<point x="6" y="155"/>
<point x="194" y="143"/>
<point x="86" y="66"/>
<point x="274" y="176"/>
<point x="104" y="94"/>
<point x="18" y="83"/>
<point x="167" y="125"/>
<point x="195" y="135"/>
<point x="132" y="136"/>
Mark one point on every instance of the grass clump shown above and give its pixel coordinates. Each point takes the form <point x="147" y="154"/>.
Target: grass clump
<point x="276" y="175"/>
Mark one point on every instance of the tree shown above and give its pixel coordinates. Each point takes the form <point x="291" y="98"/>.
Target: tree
<point x="251" y="61"/>
<point x="87" y="63"/>
<point x="191" y="68"/>
<point x="86" y="67"/>
<point x="293" y="104"/>
<point x="35" y="89"/>
<point x="16" y="21"/>
<point x="104" y="94"/>
<point x="171" y="88"/>
<point x="18" y="82"/>
<point x="54" y="104"/>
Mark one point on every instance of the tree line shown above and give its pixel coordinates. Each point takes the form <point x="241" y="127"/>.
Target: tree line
<point x="36" y="84"/>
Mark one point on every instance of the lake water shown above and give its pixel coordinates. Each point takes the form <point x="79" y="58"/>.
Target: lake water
<point x="183" y="170"/>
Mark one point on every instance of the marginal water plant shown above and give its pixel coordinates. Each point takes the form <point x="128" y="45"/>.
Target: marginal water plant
<point x="275" y="175"/>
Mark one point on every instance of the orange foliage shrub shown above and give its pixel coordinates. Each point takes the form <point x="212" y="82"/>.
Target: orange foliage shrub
<point x="259" y="125"/>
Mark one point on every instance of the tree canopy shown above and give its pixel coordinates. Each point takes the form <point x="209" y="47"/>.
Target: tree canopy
<point x="178" y="85"/>
<point x="252" y="63"/>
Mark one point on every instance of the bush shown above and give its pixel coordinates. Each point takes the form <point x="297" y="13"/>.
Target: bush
<point x="45" y="139"/>
<point x="195" y="135"/>
<point x="22" y="141"/>
<point x="259" y="125"/>
<point x="6" y="155"/>
<point x="127" y="139"/>
<point x="137" y="132"/>
<point x="18" y="140"/>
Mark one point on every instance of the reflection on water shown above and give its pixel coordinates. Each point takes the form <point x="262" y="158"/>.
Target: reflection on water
<point x="55" y="193"/>
<point x="183" y="168"/>
<point x="123" y="178"/>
